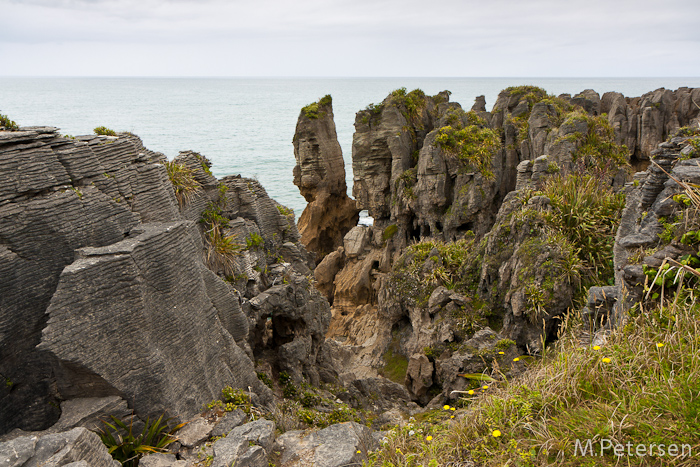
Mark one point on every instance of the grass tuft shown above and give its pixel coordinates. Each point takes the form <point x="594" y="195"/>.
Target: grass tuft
<point x="184" y="182"/>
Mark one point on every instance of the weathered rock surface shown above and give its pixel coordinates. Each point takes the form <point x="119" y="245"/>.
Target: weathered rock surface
<point x="68" y="448"/>
<point x="109" y="287"/>
<point x="246" y="445"/>
<point x="320" y="175"/>
<point x="145" y="319"/>
<point x="415" y="189"/>
<point x="650" y="209"/>
<point x="338" y="445"/>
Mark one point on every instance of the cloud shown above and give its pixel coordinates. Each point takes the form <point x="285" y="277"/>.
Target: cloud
<point x="362" y="37"/>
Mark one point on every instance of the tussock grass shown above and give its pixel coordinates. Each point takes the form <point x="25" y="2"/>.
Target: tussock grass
<point x="221" y="250"/>
<point x="641" y="386"/>
<point x="184" y="182"/>
<point x="588" y="215"/>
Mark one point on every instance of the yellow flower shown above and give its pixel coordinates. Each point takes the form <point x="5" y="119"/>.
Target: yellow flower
<point x="501" y="353"/>
<point x="359" y="452"/>
<point x="446" y="407"/>
<point x="470" y="392"/>
<point x="453" y="408"/>
<point x="659" y="344"/>
<point x="429" y="438"/>
<point x="606" y="360"/>
<point x="516" y="359"/>
<point x="452" y="416"/>
<point x="484" y="386"/>
<point x="596" y="347"/>
<point x="496" y="433"/>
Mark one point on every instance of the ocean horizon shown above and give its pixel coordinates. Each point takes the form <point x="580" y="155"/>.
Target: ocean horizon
<point x="246" y="125"/>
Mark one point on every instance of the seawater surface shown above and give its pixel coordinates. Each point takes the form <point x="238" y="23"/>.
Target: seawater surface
<point x="245" y="125"/>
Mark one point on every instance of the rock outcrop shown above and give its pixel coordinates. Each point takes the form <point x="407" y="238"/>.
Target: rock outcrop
<point x="113" y="264"/>
<point x="651" y="242"/>
<point x="429" y="172"/>
<point x="320" y="175"/>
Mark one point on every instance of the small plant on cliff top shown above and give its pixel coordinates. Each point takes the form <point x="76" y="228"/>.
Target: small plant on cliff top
<point x="412" y="101"/>
<point x="7" y="123"/>
<point x="312" y="110"/>
<point x="183" y="181"/>
<point x="128" y="447"/>
<point x="104" y="131"/>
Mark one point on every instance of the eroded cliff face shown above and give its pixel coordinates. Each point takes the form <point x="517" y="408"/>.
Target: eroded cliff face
<point x="429" y="172"/>
<point x="320" y="176"/>
<point x="123" y="274"/>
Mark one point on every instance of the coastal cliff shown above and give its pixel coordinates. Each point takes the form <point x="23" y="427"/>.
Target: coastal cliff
<point x="471" y="188"/>
<point x="137" y="287"/>
<point x="127" y="275"/>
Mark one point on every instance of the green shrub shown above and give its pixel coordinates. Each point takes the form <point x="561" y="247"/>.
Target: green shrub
<point x="474" y="144"/>
<point x="7" y="123"/>
<point x="262" y="376"/>
<point x="325" y="100"/>
<point x="309" y="399"/>
<point x="285" y="378"/>
<point x="284" y="210"/>
<point x="254" y="241"/>
<point x="104" y="131"/>
<point x="221" y="250"/>
<point x="390" y="231"/>
<point x="235" y="396"/>
<point x="597" y="152"/>
<point x="289" y="391"/>
<point x="312" y="110"/>
<point x="128" y="447"/>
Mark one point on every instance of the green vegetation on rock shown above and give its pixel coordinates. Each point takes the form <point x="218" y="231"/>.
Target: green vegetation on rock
<point x="639" y="387"/>
<point x="587" y="214"/>
<point x="474" y="143"/>
<point x="312" y="110"/>
<point x="7" y="123"/>
<point x="597" y="153"/>
<point x="183" y="181"/>
<point x="104" y="131"/>
<point x="128" y="447"/>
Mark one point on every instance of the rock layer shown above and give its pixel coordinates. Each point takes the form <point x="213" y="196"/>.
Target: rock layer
<point x="110" y="288"/>
<point x="320" y="175"/>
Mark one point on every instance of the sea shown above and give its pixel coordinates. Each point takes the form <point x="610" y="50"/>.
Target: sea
<point x="246" y="125"/>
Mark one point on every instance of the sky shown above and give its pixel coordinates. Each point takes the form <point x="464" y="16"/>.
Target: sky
<point x="348" y="38"/>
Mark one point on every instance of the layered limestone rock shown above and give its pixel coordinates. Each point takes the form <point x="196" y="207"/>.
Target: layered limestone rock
<point x="427" y="171"/>
<point x="168" y="353"/>
<point x="657" y="214"/>
<point x="113" y="279"/>
<point x="320" y="175"/>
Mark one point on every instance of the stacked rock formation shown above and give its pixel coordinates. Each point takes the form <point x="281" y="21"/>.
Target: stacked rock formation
<point x="409" y="175"/>
<point x="320" y="175"/>
<point x="113" y="280"/>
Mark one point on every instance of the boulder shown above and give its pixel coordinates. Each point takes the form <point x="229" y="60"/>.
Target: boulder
<point x="161" y="304"/>
<point x="74" y="446"/>
<point x="161" y="460"/>
<point x="338" y="445"/>
<point x="228" y="422"/>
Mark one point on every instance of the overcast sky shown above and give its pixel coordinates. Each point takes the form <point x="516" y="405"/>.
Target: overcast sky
<point x="323" y="38"/>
